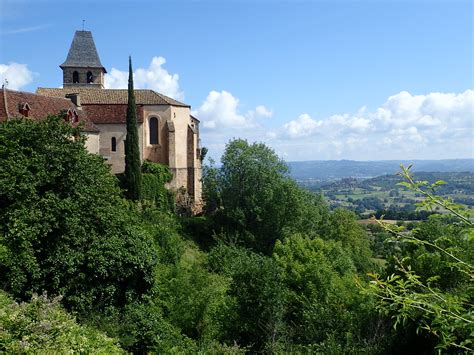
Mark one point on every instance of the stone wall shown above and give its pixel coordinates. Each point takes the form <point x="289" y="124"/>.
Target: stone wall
<point x="97" y="73"/>
<point x="115" y="159"/>
<point x="92" y="142"/>
<point x="156" y="152"/>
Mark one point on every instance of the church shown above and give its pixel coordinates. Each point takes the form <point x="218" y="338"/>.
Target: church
<point x="168" y="133"/>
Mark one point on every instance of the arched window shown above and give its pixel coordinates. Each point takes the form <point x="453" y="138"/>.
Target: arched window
<point x="153" y="128"/>
<point x="114" y="144"/>
<point x="90" y="77"/>
<point x="75" y="77"/>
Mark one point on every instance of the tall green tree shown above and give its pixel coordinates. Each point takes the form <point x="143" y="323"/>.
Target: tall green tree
<point x="255" y="199"/>
<point x="64" y="228"/>
<point x="133" y="177"/>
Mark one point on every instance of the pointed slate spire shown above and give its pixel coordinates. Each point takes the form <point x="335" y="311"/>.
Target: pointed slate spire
<point x="83" y="53"/>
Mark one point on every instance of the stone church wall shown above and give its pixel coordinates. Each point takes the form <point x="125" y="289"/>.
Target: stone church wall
<point x="119" y="131"/>
<point x="92" y="142"/>
<point x="156" y="152"/>
<point x="180" y="118"/>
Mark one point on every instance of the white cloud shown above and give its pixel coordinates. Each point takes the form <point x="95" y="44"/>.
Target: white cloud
<point x="303" y="126"/>
<point x="426" y="111"/>
<point x="154" y="77"/>
<point x="220" y="110"/>
<point x="406" y="126"/>
<point x="17" y="75"/>
<point x="434" y="125"/>
<point x="262" y="111"/>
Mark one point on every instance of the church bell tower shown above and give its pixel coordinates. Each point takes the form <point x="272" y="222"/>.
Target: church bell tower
<point x="82" y="67"/>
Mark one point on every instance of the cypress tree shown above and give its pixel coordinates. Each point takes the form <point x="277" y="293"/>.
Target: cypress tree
<point x="133" y="177"/>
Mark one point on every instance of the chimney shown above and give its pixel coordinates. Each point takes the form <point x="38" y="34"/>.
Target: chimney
<point x="75" y="98"/>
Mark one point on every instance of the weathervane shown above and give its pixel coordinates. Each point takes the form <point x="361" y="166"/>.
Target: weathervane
<point x="83" y="24"/>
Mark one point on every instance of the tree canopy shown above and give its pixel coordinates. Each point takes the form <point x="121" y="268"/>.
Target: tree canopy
<point x="64" y="227"/>
<point x="256" y="199"/>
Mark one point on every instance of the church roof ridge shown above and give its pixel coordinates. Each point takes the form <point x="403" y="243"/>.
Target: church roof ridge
<point x="99" y="96"/>
<point x="31" y="93"/>
<point x="83" y="53"/>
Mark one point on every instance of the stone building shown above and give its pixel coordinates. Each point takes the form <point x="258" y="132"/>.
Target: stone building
<point x="168" y="133"/>
<point x="17" y="104"/>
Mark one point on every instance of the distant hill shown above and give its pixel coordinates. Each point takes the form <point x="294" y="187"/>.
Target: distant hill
<point x="456" y="182"/>
<point x="381" y="195"/>
<point x="338" y="169"/>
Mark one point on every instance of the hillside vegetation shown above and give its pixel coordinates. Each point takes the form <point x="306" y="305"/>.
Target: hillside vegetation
<point x="268" y="268"/>
<point x="381" y="195"/>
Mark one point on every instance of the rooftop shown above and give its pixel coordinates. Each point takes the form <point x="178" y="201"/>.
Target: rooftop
<point x="39" y="107"/>
<point x="113" y="96"/>
<point x="83" y="52"/>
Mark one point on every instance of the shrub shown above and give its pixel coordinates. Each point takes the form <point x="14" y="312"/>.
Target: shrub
<point x="42" y="326"/>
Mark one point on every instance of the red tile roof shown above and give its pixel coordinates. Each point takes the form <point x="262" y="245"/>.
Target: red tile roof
<point x="40" y="107"/>
<point x="110" y="113"/>
<point x="112" y="96"/>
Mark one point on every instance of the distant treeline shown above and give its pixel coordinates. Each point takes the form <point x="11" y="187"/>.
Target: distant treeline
<point x="403" y="215"/>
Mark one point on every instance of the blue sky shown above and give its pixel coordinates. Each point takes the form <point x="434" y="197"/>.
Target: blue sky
<point x="363" y="80"/>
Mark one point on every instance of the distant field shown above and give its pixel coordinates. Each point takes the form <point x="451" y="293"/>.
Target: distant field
<point x="381" y="195"/>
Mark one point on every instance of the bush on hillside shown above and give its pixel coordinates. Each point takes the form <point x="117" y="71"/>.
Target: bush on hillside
<point x="64" y="227"/>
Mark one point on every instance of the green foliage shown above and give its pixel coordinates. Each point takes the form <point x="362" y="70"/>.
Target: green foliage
<point x="379" y="241"/>
<point x="432" y="279"/>
<point x="64" y="228"/>
<point x="164" y="228"/>
<point x="255" y="308"/>
<point x="341" y="225"/>
<point x="286" y="281"/>
<point x="133" y="176"/>
<point x="160" y="171"/>
<point x="255" y="199"/>
<point x="189" y="299"/>
<point x="199" y="229"/>
<point x="255" y="191"/>
<point x="424" y="255"/>
<point x="145" y="329"/>
<point x="42" y="326"/>
<point x="187" y="306"/>
<point x="210" y="188"/>
<point x="193" y="299"/>
<point x="321" y="292"/>
<point x="203" y="154"/>
<point x="154" y="178"/>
